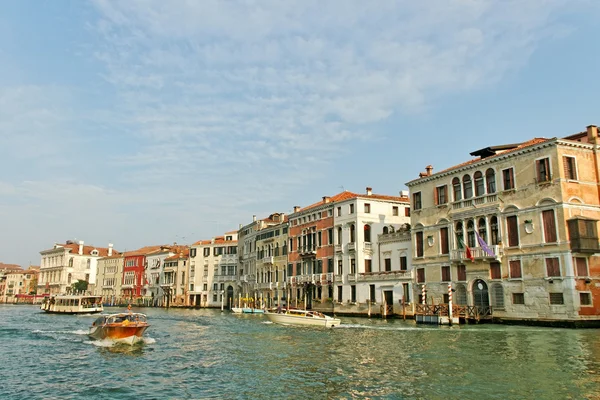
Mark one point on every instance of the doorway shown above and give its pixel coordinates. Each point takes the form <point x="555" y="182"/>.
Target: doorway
<point x="481" y="296"/>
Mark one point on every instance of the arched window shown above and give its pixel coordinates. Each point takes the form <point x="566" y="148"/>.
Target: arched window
<point x="467" y="187"/>
<point x="479" y="184"/>
<point x="459" y="235"/>
<point x="490" y="181"/>
<point x="385" y="229"/>
<point x="495" y="238"/>
<point x="368" y="233"/>
<point x="456" y="189"/>
<point x="69" y="278"/>
<point x="497" y="295"/>
<point x="471" y="233"/>
<point x="352" y="233"/>
<point x="482" y="229"/>
<point x="339" y="235"/>
<point x="461" y="295"/>
<point x="89" y="263"/>
<point x="70" y="262"/>
<point x="276" y="249"/>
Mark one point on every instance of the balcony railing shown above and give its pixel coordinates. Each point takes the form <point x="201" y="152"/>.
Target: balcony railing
<point x="368" y="246"/>
<point x="267" y="260"/>
<point x="338" y="248"/>
<point x="486" y="198"/>
<point x="384" y="276"/>
<point x="225" y="278"/>
<point x="585" y="245"/>
<point x="323" y="278"/>
<point x="307" y="250"/>
<point x="477" y="252"/>
<point x="352" y="246"/>
<point x="248" y="278"/>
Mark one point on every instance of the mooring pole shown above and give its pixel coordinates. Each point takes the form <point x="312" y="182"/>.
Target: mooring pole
<point x="450" y="303"/>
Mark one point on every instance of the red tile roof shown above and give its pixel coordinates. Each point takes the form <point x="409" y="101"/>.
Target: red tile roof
<point x="346" y="195"/>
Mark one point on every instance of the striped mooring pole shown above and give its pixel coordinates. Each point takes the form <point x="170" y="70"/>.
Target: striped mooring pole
<point x="423" y="295"/>
<point x="450" y="303"/>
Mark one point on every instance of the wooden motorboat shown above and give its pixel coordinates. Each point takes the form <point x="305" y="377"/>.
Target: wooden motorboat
<point x="302" y="317"/>
<point x="123" y="327"/>
<point x="72" y="304"/>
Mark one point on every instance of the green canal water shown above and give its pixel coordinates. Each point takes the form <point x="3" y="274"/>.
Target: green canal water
<point x="206" y="354"/>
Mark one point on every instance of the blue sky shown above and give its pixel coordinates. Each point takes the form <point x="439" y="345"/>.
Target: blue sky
<point x="148" y="122"/>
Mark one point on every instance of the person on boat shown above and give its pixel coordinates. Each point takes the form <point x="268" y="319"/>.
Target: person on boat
<point x="129" y="308"/>
<point x="279" y="309"/>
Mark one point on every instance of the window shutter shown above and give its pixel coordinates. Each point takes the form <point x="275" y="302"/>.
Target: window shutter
<point x="549" y="226"/>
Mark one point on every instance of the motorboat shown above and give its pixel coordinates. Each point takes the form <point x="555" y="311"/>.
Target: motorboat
<point x="123" y="327"/>
<point x="302" y="317"/>
<point x="72" y="304"/>
<point x="247" y="310"/>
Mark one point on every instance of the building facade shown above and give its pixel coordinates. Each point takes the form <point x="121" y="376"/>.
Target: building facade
<point x="513" y="231"/>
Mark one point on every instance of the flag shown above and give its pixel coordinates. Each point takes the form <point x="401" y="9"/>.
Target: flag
<point x="484" y="246"/>
<point x="467" y="250"/>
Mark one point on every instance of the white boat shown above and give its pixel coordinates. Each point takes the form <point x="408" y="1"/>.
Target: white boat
<point x="123" y="327"/>
<point x="302" y="317"/>
<point x="72" y="304"/>
<point x="247" y="310"/>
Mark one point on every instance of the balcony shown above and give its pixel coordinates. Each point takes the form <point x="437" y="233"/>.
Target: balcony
<point x="268" y="260"/>
<point x="368" y="247"/>
<point x="486" y="198"/>
<point x="338" y="248"/>
<point x="384" y="276"/>
<point x="307" y="250"/>
<point x="324" y="279"/>
<point x="248" y="278"/>
<point x="477" y="252"/>
<point x="224" y="278"/>
<point x="352" y="246"/>
<point x="585" y="245"/>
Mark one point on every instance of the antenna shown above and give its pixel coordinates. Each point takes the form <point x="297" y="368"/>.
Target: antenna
<point x="342" y="187"/>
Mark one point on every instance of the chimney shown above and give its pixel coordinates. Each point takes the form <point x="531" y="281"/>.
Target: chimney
<point x="254" y="218"/>
<point x="429" y="170"/>
<point x="592" y="134"/>
<point x="80" y="247"/>
<point x="404" y="193"/>
<point x="110" y="248"/>
<point x="296" y="208"/>
<point x="326" y="199"/>
<point x="369" y="191"/>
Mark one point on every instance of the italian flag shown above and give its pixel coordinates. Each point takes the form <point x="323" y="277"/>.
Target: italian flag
<point x="467" y="250"/>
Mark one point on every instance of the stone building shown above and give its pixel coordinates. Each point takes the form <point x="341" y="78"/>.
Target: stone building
<point x="513" y="230"/>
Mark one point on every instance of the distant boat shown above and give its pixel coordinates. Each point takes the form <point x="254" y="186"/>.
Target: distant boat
<point x="247" y="310"/>
<point x="72" y="304"/>
<point x="302" y="317"/>
<point x="123" y="327"/>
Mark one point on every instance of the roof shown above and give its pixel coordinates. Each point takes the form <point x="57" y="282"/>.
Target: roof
<point x="346" y="195"/>
<point x="142" y="251"/>
<point x="87" y="250"/>
<point x="216" y="240"/>
<point x="510" y="149"/>
<point x="7" y="267"/>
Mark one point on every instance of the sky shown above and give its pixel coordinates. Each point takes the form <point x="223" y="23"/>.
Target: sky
<point x="151" y="122"/>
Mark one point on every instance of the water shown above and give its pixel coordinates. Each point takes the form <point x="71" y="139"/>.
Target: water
<point x="206" y="354"/>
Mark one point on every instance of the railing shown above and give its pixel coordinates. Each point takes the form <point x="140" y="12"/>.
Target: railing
<point x="467" y="312"/>
<point x="368" y="246"/>
<point x="384" y="275"/>
<point x="307" y="250"/>
<point x="585" y="245"/>
<point x="267" y="260"/>
<point x="477" y="253"/>
<point x="486" y="198"/>
<point x="248" y="278"/>
<point x="338" y="248"/>
<point x="352" y="246"/>
<point x="323" y="278"/>
<point x="224" y="278"/>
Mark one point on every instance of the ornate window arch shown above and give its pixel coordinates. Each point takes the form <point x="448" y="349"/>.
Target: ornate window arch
<point x="456" y="189"/>
<point x="367" y="233"/>
<point x="467" y="187"/>
<point x="479" y="184"/>
<point x="490" y="181"/>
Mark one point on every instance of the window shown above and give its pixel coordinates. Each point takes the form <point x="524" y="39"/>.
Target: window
<point x="479" y="184"/>
<point x="518" y="298"/>
<point x="444" y="243"/>
<point x="461" y="272"/>
<point x="352" y="233"/>
<point x="446" y="273"/>
<point x="585" y="298"/>
<point x="395" y="211"/>
<point x="497" y="296"/>
<point x="494" y="230"/>
<point x="421" y="275"/>
<point x="405" y="293"/>
<point x="495" y="270"/>
<point x="351" y="209"/>
<point x="552" y="267"/>
<point x="456" y="188"/>
<point x="508" y="179"/>
<point x="367" y="235"/>
<point x="581" y="266"/>
<point x="543" y="170"/>
<point x="549" y="226"/>
<point x="367" y="208"/>
<point x="557" y="299"/>
<point x="419" y="243"/>
<point x="570" y="168"/>
<point x="403" y="263"/>
<point x="461" y="295"/>
<point x="340" y="294"/>
<point x="441" y="195"/>
<point x="515" y="269"/>
<point x="340" y="270"/>
<point x="206" y="251"/>
<point x="407" y="211"/>
<point x="353" y="293"/>
<point x="388" y="264"/>
<point x="512" y="230"/>
<point x="353" y="266"/>
<point x="367" y="266"/>
<point x="329" y="236"/>
<point x="471" y="233"/>
<point x="372" y="293"/>
<point x="417" y="201"/>
<point x="467" y="186"/>
<point x="339" y="211"/>
<point x="490" y="181"/>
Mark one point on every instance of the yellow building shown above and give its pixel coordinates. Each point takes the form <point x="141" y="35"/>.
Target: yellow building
<point x="514" y="231"/>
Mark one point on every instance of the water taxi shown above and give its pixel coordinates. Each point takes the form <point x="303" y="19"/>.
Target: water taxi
<point x="302" y="317"/>
<point x="72" y="304"/>
<point x="123" y="327"/>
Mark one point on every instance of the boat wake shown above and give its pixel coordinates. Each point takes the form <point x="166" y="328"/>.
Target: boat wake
<point x="112" y="343"/>
<point x="77" y="332"/>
